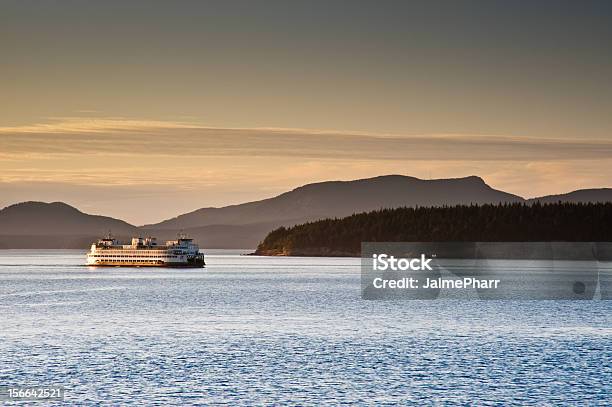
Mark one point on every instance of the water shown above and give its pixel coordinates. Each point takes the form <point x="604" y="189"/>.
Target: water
<point x="250" y="330"/>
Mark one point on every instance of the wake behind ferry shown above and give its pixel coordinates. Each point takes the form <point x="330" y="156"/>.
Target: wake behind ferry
<point x="145" y="252"/>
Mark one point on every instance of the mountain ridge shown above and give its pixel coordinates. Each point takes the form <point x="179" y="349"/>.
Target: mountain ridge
<point x="342" y="198"/>
<point x="35" y="218"/>
<point x="579" y="195"/>
<point x="34" y="224"/>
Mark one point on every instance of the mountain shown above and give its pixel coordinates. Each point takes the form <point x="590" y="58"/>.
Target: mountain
<point x="342" y="198"/>
<point x="58" y="225"/>
<point x="54" y="225"/>
<point x="579" y="196"/>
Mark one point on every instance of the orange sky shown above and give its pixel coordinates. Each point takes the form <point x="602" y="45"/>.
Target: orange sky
<point x="143" y="110"/>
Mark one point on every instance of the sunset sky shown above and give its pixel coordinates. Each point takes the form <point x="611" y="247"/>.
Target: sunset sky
<point x="144" y="110"/>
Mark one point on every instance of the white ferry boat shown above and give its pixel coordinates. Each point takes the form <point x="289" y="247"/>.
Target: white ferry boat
<point x="145" y="252"/>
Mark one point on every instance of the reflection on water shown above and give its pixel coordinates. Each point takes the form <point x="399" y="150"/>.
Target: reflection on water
<point x="257" y="330"/>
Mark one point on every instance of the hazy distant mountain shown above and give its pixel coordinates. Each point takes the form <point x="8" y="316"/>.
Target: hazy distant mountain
<point x="56" y="219"/>
<point x="582" y="195"/>
<point x="220" y="236"/>
<point x="342" y="198"/>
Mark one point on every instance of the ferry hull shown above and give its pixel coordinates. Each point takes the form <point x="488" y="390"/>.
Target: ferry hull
<point x="190" y="264"/>
<point x="183" y="266"/>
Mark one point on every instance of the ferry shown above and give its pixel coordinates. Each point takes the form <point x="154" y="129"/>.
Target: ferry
<point x="145" y="252"/>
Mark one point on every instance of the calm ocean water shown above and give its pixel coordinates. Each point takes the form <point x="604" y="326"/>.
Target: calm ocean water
<point x="251" y="330"/>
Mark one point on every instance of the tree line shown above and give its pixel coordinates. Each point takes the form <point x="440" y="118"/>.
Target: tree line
<point x="508" y="222"/>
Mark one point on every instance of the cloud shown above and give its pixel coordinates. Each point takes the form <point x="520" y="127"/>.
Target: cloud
<point x="71" y="125"/>
<point x="127" y="137"/>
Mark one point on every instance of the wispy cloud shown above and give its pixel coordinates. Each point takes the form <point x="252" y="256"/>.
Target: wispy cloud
<point x="71" y="125"/>
<point x="128" y="137"/>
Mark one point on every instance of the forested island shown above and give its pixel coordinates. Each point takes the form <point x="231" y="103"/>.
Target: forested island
<point x="509" y="222"/>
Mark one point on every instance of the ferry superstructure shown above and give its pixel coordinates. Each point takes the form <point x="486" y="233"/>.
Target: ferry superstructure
<point x="145" y="252"/>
